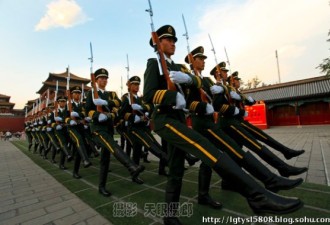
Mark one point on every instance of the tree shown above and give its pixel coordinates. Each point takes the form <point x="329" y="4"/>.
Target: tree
<point x="325" y="65"/>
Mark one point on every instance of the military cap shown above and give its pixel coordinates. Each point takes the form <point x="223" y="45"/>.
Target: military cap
<point x="135" y="80"/>
<point x="101" y="73"/>
<point x="51" y="105"/>
<point x="235" y="76"/>
<point x="75" y="89"/>
<point x="165" y="32"/>
<point x="61" y="98"/>
<point x="197" y="52"/>
<point x="222" y="66"/>
<point x="43" y="109"/>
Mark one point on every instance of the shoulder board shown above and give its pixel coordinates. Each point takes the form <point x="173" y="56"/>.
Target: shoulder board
<point x="210" y="80"/>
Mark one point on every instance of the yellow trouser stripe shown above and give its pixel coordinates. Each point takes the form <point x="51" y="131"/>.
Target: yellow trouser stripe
<point x="127" y="138"/>
<point x="254" y="131"/>
<point x="149" y="136"/>
<point x="105" y="142"/>
<point x="59" y="140"/>
<point x="225" y="143"/>
<point x="252" y="142"/>
<point x="133" y="132"/>
<point x="205" y="152"/>
<point x="75" y="137"/>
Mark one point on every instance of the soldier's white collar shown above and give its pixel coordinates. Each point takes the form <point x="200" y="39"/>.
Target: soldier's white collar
<point x="98" y="89"/>
<point x="168" y="59"/>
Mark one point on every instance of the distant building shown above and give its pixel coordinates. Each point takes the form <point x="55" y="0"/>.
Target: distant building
<point x="50" y="84"/>
<point x="10" y="119"/>
<point x="301" y="102"/>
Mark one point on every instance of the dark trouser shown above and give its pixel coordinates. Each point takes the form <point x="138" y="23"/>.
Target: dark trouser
<point x="76" y="135"/>
<point x="29" y="138"/>
<point x="77" y="160"/>
<point x="104" y="167"/>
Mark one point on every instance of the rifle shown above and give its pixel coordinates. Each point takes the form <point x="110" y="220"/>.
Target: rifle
<point x="47" y="101"/>
<point x="159" y="52"/>
<point x="68" y="94"/>
<point x="217" y="73"/>
<point x="192" y="64"/>
<point x="130" y="95"/>
<point x="95" y="94"/>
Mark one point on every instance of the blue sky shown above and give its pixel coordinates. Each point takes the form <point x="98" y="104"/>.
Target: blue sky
<point x="42" y="36"/>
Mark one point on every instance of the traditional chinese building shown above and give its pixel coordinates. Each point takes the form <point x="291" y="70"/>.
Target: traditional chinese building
<point x="10" y="119"/>
<point x="301" y="102"/>
<point x="48" y="88"/>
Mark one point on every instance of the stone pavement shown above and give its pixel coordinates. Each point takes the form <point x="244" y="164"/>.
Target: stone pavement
<point x="29" y="195"/>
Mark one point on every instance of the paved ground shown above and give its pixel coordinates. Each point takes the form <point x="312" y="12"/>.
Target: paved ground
<point x="29" y="195"/>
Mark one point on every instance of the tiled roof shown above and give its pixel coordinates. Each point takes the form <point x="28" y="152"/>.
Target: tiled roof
<point x="312" y="87"/>
<point x="4" y="96"/>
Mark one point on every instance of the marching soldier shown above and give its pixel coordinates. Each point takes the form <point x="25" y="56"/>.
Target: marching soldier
<point x="51" y="134"/>
<point x="76" y="131"/>
<point x="255" y="131"/>
<point x="203" y="121"/>
<point x="34" y="133"/>
<point x="169" y="123"/>
<point x="223" y="103"/>
<point x="60" y="129"/>
<point x="102" y="128"/>
<point x="136" y="113"/>
<point x="28" y="131"/>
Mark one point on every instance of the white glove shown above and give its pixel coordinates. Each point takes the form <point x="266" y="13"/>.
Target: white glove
<point x="137" y="119"/>
<point x="136" y="107"/>
<point x="99" y="101"/>
<point x="49" y="121"/>
<point x="59" y="127"/>
<point x="35" y="124"/>
<point x="85" y="127"/>
<point x="179" y="77"/>
<point x="180" y="101"/>
<point x="146" y="114"/>
<point x="49" y="129"/>
<point x="250" y="99"/>
<point x="209" y="109"/>
<point x="73" y="123"/>
<point x="58" y="119"/>
<point x="43" y="129"/>
<point x="37" y="129"/>
<point x="246" y="113"/>
<point x="40" y="122"/>
<point x="88" y="119"/>
<point x="216" y="89"/>
<point x="236" y="111"/>
<point x="126" y="123"/>
<point x="102" y="117"/>
<point x="31" y="125"/>
<point x="235" y="96"/>
<point x="74" y="114"/>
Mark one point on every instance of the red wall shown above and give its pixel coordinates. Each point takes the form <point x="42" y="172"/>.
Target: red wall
<point x="13" y="124"/>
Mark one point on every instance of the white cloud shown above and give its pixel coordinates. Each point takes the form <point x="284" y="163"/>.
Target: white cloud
<point x="253" y="31"/>
<point x="62" y="13"/>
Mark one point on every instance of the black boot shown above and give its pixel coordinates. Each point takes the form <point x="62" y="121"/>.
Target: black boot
<point x="76" y="175"/>
<point x="158" y="152"/>
<point x="83" y="154"/>
<point x="191" y="159"/>
<point x="46" y="153"/>
<point x="76" y="166"/>
<point x="284" y="169"/>
<point x="30" y="145"/>
<point x="172" y="198"/>
<point x="259" y="199"/>
<point x="53" y="155"/>
<point x="35" y="147"/>
<point x="137" y="180"/>
<point x="204" y="180"/>
<point x="104" y="192"/>
<point x="289" y="153"/>
<point x="272" y="182"/>
<point x="134" y="169"/>
<point x="145" y="157"/>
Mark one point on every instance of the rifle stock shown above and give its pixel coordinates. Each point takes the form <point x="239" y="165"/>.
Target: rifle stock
<point x="95" y="93"/>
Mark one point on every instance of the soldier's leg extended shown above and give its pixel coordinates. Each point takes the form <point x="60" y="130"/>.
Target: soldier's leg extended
<point x="249" y="162"/>
<point x="91" y="146"/>
<point x="109" y="144"/>
<point x="29" y="138"/>
<point x="76" y="165"/>
<point x="129" y="143"/>
<point x="104" y="168"/>
<point x="63" y="141"/>
<point x="238" y="133"/>
<point x="148" y="142"/>
<point x="163" y="162"/>
<point x="259" y="199"/>
<point x="79" y="143"/>
<point x="265" y="138"/>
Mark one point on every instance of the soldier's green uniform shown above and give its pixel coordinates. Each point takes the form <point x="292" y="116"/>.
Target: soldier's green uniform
<point x="28" y="131"/>
<point x="60" y="128"/>
<point x="76" y="131"/>
<point x="55" y="146"/>
<point x="138" y="127"/>
<point x="42" y="133"/>
<point x="205" y="124"/>
<point x="102" y="132"/>
<point x="258" y="133"/>
<point x="34" y="133"/>
<point x="228" y="114"/>
<point x="169" y="123"/>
